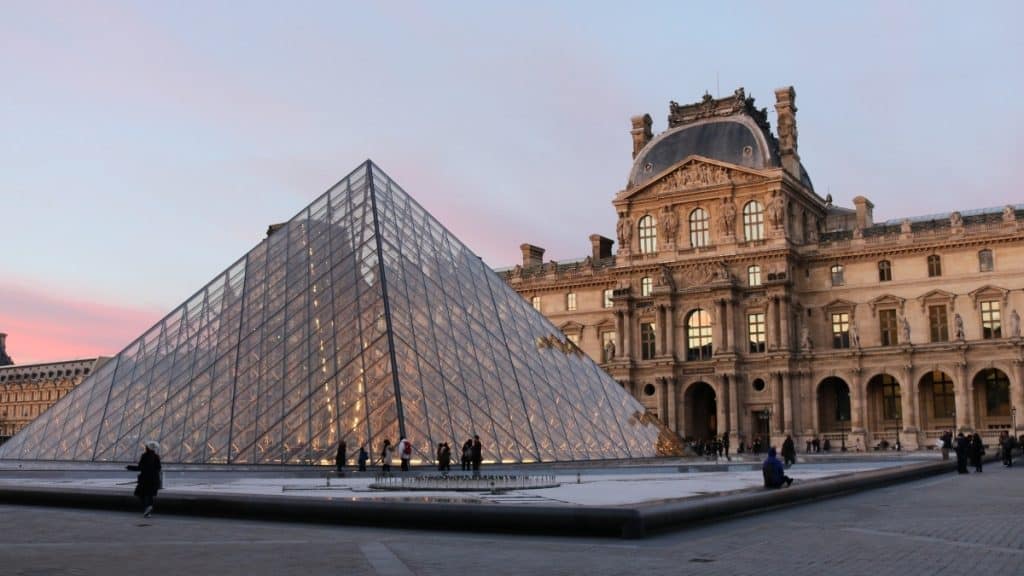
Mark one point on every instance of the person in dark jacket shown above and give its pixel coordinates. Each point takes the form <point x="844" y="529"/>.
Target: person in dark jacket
<point x="148" y="482"/>
<point x="1006" y="445"/>
<point x="467" y="453"/>
<point x="446" y="457"/>
<point x="339" y="458"/>
<point x="774" y="471"/>
<point x="977" y="450"/>
<point x="961" y="453"/>
<point x="947" y="444"/>
<point x="788" y="452"/>
<point x="363" y="457"/>
<point x="477" y="454"/>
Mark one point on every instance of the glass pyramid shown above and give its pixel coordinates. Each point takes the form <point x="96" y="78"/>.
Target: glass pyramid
<point x="360" y="319"/>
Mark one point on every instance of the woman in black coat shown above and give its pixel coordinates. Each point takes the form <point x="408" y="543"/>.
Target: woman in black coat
<point x="977" y="450"/>
<point x="149" y="476"/>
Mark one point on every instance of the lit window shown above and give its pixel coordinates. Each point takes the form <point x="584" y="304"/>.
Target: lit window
<point x="884" y="271"/>
<point x="700" y="228"/>
<point x="608" y="298"/>
<point x="754" y="275"/>
<point x="574" y="338"/>
<point x="753" y="221"/>
<point x="938" y="323"/>
<point x="536" y="303"/>
<point x="648" y="235"/>
<point x="755" y="332"/>
<point x="891" y="409"/>
<point x="991" y="320"/>
<point x="647" y="335"/>
<point x="837" y="275"/>
<point x="840" y="329"/>
<point x="934" y="266"/>
<point x="888" y="328"/>
<point x="698" y="335"/>
<point x="570" y="301"/>
<point x="646" y="286"/>
<point x="985" y="261"/>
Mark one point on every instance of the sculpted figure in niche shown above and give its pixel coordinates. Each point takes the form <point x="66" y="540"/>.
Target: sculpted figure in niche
<point x="958" y="326"/>
<point x="625" y="230"/>
<point x="609" y="351"/>
<point x="727" y="217"/>
<point x="1009" y="214"/>
<point x="955" y="220"/>
<point x="905" y="330"/>
<point x="805" y="338"/>
<point x="905" y="226"/>
<point x="854" y="334"/>
<point x="777" y="210"/>
<point x="1014" y="324"/>
<point x="669" y="224"/>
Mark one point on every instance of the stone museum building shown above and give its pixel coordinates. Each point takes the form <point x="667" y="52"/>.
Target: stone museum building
<point x="741" y="301"/>
<point x="27" y="390"/>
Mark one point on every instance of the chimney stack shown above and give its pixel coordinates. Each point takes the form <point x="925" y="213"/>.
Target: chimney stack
<point x="5" y="360"/>
<point x="785" y="107"/>
<point x="600" y="247"/>
<point x="641" y="132"/>
<point x="865" y="209"/>
<point x="532" y="255"/>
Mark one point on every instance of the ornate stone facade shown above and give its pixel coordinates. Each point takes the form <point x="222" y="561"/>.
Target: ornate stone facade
<point x="761" y="309"/>
<point x="26" y="391"/>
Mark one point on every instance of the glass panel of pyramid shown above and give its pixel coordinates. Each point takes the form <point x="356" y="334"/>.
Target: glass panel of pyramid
<point x="360" y="319"/>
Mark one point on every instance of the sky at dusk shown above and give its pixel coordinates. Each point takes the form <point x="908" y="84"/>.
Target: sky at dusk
<point x="146" y="146"/>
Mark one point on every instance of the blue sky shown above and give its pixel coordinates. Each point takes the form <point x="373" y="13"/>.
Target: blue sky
<point x="145" y="146"/>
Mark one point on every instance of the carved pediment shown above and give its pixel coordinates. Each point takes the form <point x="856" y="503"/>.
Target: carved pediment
<point x="704" y="273"/>
<point x="989" y="292"/>
<point x="936" y="295"/>
<point x="887" y="301"/>
<point x="694" y="173"/>
<point x="571" y="327"/>
<point x="840" y="304"/>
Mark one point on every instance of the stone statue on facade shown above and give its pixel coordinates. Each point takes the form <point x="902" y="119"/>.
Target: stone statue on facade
<point x="805" y="338"/>
<point x="777" y="210"/>
<point x="905" y="226"/>
<point x="666" y="278"/>
<point x="958" y="327"/>
<point x="609" y="351"/>
<point x="956" y="220"/>
<point x="905" y="330"/>
<point x="669" y="224"/>
<point x="625" y="231"/>
<point x="1009" y="214"/>
<point x="727" y="217"/>
<point x="1014" y="324"/>
<point x="854" y="334"/>
<point x="812" y="231"/>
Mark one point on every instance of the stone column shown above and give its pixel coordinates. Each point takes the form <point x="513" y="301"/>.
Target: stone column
<point x="787" y="402"/>
<point x="673" y="405"/>
<point x="619" y="347"/>
<point x="730" y="326"/>
<point x="670" y="330"/>
<point x="659" y="333"/>
<point x="962" y="401"/>
<point x="663" y="400"/>
<point x="773" y="311"/>
<point x="910" y="423"/>
<point x="734" y="411"/>
<point x="778" y="404"/>
<point x="1017" y="395"/>
<point x="627" y="333"/>
<point x="721" y="408"/>
<point x="723" y="324"/>
<point x="785" y="333"/>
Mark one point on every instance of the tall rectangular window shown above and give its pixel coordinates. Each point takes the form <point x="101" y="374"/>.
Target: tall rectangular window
<point x="574" y="338"/>
<point x="938" y="323"/>
<point x="934" y="266"/>
<point x="888" y="328"/>
<point x="700" y="225"/>
<point x="891" y="409"/>
<point x="608" y="298"/>
<point x="943" y="398"/>
<point x="536" y="303"/>
<point x="570" y="301"/>
<point x="991" y="324"/>
<point x="755" y="332"/>
<point x="884" y="271"/>
<point x="840" y="329"/>
<point x="753" y="275"/>
<point x="837" y="275"/>
<point x="647" y="336"/>
<point x="646" y="286"/>
<point x="985" y="263"/>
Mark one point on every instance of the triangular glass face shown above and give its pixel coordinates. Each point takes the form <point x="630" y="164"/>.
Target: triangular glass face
<point x="361" y="319"/>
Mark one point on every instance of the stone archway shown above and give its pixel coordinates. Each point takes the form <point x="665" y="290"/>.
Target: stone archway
<point x="991" y="402"/>
<point x="884" y="397"/>
<point x="701" y="405"/>
<point x="833" y="405"/>
<point x="937" y="399"/>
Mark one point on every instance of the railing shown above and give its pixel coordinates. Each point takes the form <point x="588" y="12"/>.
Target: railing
<point x="464" y="483"/>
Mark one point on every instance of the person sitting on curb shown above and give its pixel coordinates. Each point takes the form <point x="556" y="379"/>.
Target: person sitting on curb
<point x="774" y="472"/>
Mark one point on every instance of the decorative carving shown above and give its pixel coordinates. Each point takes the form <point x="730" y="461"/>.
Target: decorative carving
<point x="666" y="278"/>
<point x="1009" y="214"/>
<point x="625" y="231"/>
<point x="956" y="220"/>
<point x="708" y="107"/>
<point x="641" y="132"/>
<point x="858" y="233"/>
<point x="904" y="330"/>
<point x="958" y="327"/>
<point x="727" y="217"/>
<point x="669" y="224"/>
<point x="609" y="351"/>
<point x="705" y="273"/>
<point x="777" y="210"/>
<point x="812" y="231"/>
<point x="698" y="175"/>
<point x="1014" y="324"/>
<point x="854" y="333"/>
<point x="805" y="339"/>
<point x="905" y="226"/>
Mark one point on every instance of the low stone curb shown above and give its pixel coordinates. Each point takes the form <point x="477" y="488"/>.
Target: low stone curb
<point x="615" y="521"/>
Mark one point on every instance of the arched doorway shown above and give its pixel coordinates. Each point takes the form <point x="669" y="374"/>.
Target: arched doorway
<point x="937" y="399"/>
<point x="701" y="406"/>
<point x="885" y="409"/>
<point x="833" y="405"/>
<point x="992" y="401"/>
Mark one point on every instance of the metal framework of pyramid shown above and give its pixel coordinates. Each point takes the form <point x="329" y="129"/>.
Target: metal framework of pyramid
<point x="361" y="319"/>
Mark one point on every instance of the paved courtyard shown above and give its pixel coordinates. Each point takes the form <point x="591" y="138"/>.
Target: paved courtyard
<point x="947" y="524"/>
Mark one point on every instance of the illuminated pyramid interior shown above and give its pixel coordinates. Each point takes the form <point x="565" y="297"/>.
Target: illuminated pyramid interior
<point x="360" y="319"/>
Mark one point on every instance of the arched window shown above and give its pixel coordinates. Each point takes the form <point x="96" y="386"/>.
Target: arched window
<point x="646" y="286"/>
<point x="934" y="266"/>
<point x="754" y="275"/>
<point x="837" y="275"/>
<point x="699" y="228"/>
<point x="884" y="271"/>
<point x="985" y="263"/>
<point x="698" y="335"/>
<point x="753" y="221"/>
<point x="648" y="235"/>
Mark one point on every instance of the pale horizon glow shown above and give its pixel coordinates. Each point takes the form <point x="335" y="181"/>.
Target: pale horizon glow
<point x="146" y="146"/>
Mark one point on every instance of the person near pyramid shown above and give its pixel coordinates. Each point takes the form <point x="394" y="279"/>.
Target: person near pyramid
<point x="478" y="455"/>
<point x="405" y="453"/>
<point x="385" y="457"/>
<point x="148" y="482"/>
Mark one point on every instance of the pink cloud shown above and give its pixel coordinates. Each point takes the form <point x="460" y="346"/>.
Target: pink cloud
<point x="43" y="327"/>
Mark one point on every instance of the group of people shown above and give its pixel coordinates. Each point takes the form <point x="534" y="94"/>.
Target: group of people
<point x="471" y="457"/>
<point x="968" y="448"/>
<point x="714" y="448"/>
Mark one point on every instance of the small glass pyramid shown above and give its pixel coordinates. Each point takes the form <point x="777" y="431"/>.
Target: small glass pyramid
<point x="361" y="319"/>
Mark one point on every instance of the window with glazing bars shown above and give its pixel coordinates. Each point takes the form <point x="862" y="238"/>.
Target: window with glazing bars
<point x="647" y="336"/>
<point x="756" y="332"/>
<point x="840" y="329"/>
<point x="991" y="324"/>
<point x="888" y="328"/>
<point x="938" y="323"/>
<point x="700" y="226"/>
<point x="648" y="235"/>
<point x="753" y="221"/>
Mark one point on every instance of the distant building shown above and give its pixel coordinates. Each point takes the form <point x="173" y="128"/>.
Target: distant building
<point x="740" y="301"/>
<point x="27" y="390"/>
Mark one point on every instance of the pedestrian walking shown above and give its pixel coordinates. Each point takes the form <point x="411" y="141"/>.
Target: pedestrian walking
<point x="774" y="472"/>
<point x="1006" y="444"/>
<point x="788" y="451"/>
<point x="437" y="456"/>
<point x="477" y="455"/>
<point x="149" y="479"/>
<point x="385" y="457"/>
<point x="339" y="458"/>
<point x="977" y="450"/>
<point x="467" y="453"/>
<point x="961" y="453"/>
<point x="725" y="446"/>
<point x="947" y="444"/>
<point x="363" y="457"/>
<point x="405" y="453"/>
